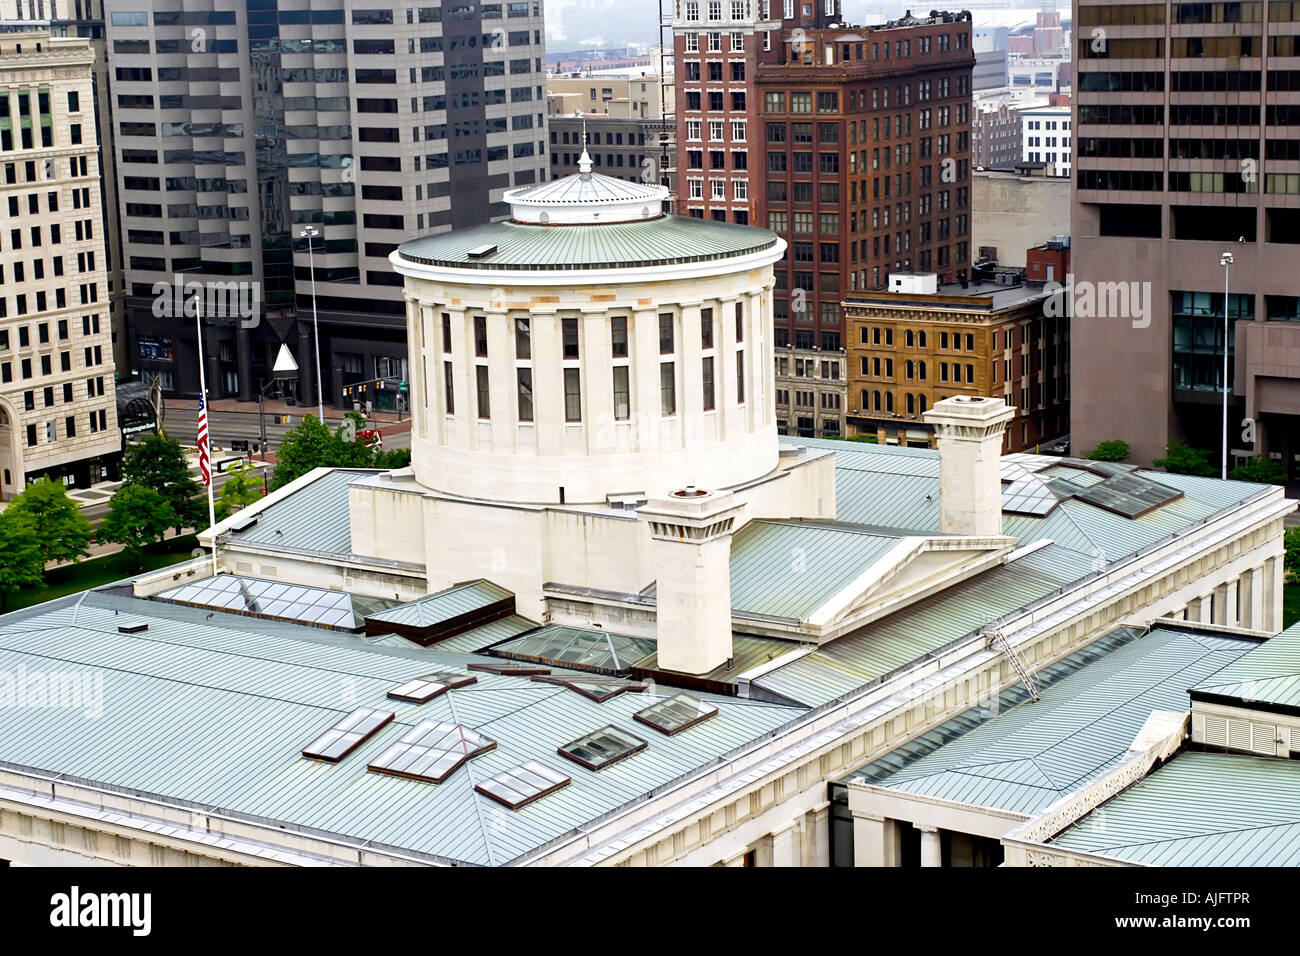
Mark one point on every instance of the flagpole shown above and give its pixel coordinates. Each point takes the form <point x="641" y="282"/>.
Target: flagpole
<point x="203" y="400"/>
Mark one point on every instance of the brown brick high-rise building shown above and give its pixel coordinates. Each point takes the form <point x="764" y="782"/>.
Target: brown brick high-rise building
<point x="852" y="143"/>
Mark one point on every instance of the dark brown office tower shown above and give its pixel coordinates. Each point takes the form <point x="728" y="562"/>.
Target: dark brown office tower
<point x="851" y="142"/>
<point x="1186" y="148"/>
<point x="866" y="164"/>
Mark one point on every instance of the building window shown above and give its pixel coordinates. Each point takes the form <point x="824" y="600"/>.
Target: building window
<point x="572" y="395"/>
<point x="708" y="384"/>
<point x="667" y="388"/>
<point x="480" y="336"/>
<point x="665" y="333"/>
<point x="449" y="388"/>
<point x="484" y="400"/>
<point x="446" y="333"/>
<point x="523" y="339"/>
<point x="740" y="377"/>
<point x="569" y="334"/>
<point x="622" y="403"/>
<point x="618" y="336"/>
<point x="706" y="328"/>
<point x="525" y="388"/>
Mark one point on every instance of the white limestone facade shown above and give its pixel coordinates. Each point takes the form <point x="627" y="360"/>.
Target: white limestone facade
<point x="586" y="356"/>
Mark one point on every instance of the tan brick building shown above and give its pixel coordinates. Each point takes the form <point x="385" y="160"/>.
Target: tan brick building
<point x="912" y="347"/>
<point x="57" y="405"/>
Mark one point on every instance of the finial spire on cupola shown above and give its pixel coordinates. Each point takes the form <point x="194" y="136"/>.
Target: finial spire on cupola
<point x="584" y="161"/>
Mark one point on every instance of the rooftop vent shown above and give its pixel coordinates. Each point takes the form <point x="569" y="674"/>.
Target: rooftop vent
<point x="483" y="251"/>
<point x="132" y="628"/>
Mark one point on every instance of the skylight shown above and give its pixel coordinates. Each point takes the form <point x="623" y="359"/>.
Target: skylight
<point x="347" y="735"/>
<point x="274" y="599"/>
<point x="510" y="669"/>
<point x="601" y="748"/>
<point x="592" y="688"/>
<point x="677" y="713"/>
<point x="419" y="690"/>
<point x="521" y="785"/>
<point x="1129" y="495"/>
<point x="431" y="751"/>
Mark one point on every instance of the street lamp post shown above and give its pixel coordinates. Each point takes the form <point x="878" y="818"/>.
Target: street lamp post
<point x="310" y="233"/>
<point x="1225" y="260"/>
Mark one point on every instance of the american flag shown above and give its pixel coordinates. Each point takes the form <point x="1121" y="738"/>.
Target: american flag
<point x="205" y="463"/>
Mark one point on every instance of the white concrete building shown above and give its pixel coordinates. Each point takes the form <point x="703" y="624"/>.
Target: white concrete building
<point x="1045" y="137"/>
<point x="691" y="626"/>
<point x="58" y="414"/>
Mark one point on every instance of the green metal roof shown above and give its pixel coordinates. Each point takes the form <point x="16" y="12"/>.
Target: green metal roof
<point x="788" y="569"/>
<point x="213" y="715"/>
<point x="849" y="662"/>
<point x="1269" y="674"/>
<point x="667" y="240"/>
<point x="898" y="488"/>
<point x="444" y="605"/>
<point x="1199" y="809"/>
<point x="1025" y="758"/>
<point x="313" y="518"/>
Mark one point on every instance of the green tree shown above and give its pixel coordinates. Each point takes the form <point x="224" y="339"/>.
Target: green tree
<point x="137" y="516"/>
<point x="1182" y="459"/>
<point x="396" y="458"/>
<point x="158" y="463"/>
<point x="313" y="445"/>
<point x="1261" y="470"/>
<point x="243" y="487"/>
<point x="21" y="559"/>
<point x="60" y="528"/>
<point x="1113" y="449"/>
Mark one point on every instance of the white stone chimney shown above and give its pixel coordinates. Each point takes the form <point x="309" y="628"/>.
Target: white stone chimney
<point x="690" y="543"/>
<point x="968" y="430"/>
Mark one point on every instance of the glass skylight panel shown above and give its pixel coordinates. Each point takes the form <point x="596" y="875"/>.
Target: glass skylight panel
<point x="1129" y="495"/>
<point x="510" y="669"/>
<point x="431" y="751"/>
<point x="418" y="691"/>
<point x="1028" y="495"/>
<point x="347" y="735"/>
<point x="522" y="785"/>
<point x="424" y="688"/>
<point x="591" y="687"/>
<point x="601" y="748"/>
<point x="676" y="714"/>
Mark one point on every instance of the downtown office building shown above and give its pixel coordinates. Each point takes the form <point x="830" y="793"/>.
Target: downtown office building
<point x="240" y="123"/>
<point x="1186" y="147"/>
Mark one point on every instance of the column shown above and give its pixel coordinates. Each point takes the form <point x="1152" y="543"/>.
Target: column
<point x="931" y="847"/>
<point x="1230" y="608"/>
<point x="817" y="842"/>
<point x="784" y="844"/>
<point x="1220" y="605"/>
<point x="875" y="840"/>
<point x="1203" y="609"/>
<point x="1273" y="595"/>
<point x="1255" y="598"/>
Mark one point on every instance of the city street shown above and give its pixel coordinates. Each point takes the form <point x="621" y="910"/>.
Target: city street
<point x="226" y="424"/>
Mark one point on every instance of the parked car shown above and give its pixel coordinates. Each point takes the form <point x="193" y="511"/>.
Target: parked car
<point x="1061" y="448"/>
